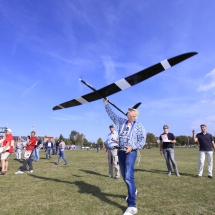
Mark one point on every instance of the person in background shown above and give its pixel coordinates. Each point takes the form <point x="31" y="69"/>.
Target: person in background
<point x="27" y="155"/>
<point x="61" y="154"/>
<point x="167" y="141"/>
<point x="37" y="149"/>
<point x="206" y="145"/>
<point x="111" y="142"/>
<point x="49" y="147"/>
<point x="57" y="147"/>
<point x="19" y="147"/>
<point x="7" y="145"/>
<point x="54" y="148"/>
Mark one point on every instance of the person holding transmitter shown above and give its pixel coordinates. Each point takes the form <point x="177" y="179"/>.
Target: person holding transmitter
<point x="132" y="136"/>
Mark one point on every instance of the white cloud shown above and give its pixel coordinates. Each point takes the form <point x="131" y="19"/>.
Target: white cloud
<point x="28" y="90"/>
<point x="210" y="78"/>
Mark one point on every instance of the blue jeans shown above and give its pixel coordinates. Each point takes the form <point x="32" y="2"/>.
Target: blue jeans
<point x="169" y="155"/>
<point x="126" y="163"/>
<point x="37" y="154"/>
<point x="61" y="155"/>
<point x="48" y="153"/>
<point x="33" y="154"/>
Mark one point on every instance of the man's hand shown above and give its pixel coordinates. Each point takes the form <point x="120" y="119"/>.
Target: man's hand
<point x="161" y="152"/>
<point x="129" y="149"/>
<point x="105" y="101"/>
<point x="114" y="140"/>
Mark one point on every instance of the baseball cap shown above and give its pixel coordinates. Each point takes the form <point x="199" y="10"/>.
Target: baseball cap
<point x="8" y="129"/>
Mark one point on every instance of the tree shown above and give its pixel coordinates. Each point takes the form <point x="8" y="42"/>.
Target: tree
<point x="61" y="137"/>
<point x="73" y="137"/>
<point x="100" y="142"/>
<point x="182" y="140"/>
<point x="150" y="138"/>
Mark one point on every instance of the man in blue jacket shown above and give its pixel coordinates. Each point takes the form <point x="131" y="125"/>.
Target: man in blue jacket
<point x="49" y="148"/>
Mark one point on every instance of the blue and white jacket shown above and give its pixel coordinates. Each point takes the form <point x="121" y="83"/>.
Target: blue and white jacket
<point x="137" y="138"/>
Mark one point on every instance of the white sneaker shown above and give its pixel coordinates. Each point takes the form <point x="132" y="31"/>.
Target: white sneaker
<point x="130" y="211"/>
<point x="30" y="171"/>
<point x="135" y="194"/>
<point x="19" y="172"/>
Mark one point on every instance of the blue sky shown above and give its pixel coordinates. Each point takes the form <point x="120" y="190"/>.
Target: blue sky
<point x="46" y="46"/>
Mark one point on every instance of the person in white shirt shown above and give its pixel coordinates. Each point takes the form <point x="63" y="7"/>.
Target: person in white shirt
<point x="111" y="142"/>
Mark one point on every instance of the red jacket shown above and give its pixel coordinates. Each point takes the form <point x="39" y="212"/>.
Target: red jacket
<point x="8" y="138"/>
<point x="32" y="142"/>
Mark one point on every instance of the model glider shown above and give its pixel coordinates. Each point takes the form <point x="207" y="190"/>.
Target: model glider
<point x="126" y="82"/>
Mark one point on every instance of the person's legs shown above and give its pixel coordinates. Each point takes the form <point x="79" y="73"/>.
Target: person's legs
<point x="172" y="158"/>
<point x="129" y="177"/>
<point x="126" y="163"/>
<point x="201" y="162"/>
<point x="115" y="162"/>
<point x="33" y="154"/>
<point x="121" y="157"/>
<point x="6" y="165"/>
<point x="110" y="163"/>
<point x="50" y="153"/>
<point x="30" y="164"/>
<point x="59" y="157"/>
<point x="47" y="153"/>
<point x="37" y="150"/>
<point x="19" y="153"/>
<point x="62" y="155"/>
<point x="22" y="169"/>
<point x="167" y="157"/>
<point x="210" y="163"/>
<point x="3" y="165"/>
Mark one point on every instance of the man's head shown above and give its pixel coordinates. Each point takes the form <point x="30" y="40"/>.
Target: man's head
<point x="132" y="114"/>
<point x="112" y="128"/>
<point x="165" y="128"/>
<point x="33" y="133"/>
<point x="8" y="131"/>
<point x="203" y="128"/>
<point x="38" y="138"/>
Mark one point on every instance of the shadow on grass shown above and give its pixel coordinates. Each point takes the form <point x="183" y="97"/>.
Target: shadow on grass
<point x="92" y="172"/>
<point x="88" y="189"/>
<point x="164" y="172"/>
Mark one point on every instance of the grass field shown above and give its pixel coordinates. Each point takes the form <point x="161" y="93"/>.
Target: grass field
<point x="83" y="188"/>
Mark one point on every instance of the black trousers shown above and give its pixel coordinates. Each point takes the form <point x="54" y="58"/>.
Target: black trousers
<point x="29" y="162"/>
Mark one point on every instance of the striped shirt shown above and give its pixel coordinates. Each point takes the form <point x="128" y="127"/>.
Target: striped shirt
<point x="137" y="138"/>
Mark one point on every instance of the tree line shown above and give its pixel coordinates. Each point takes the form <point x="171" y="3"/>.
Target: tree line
<point x="78" y="139"/>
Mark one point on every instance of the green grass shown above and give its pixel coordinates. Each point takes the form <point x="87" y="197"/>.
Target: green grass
<point x="82" y="186"/>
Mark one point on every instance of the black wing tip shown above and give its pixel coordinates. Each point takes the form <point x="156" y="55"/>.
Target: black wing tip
<point x="56" y="108"/>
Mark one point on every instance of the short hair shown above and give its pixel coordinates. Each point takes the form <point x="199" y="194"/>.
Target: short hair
<point x="166" y="126"/>
<point x="203" y="125"/>
<point x="33" y="132"/>
<point x="111" y="126"/>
